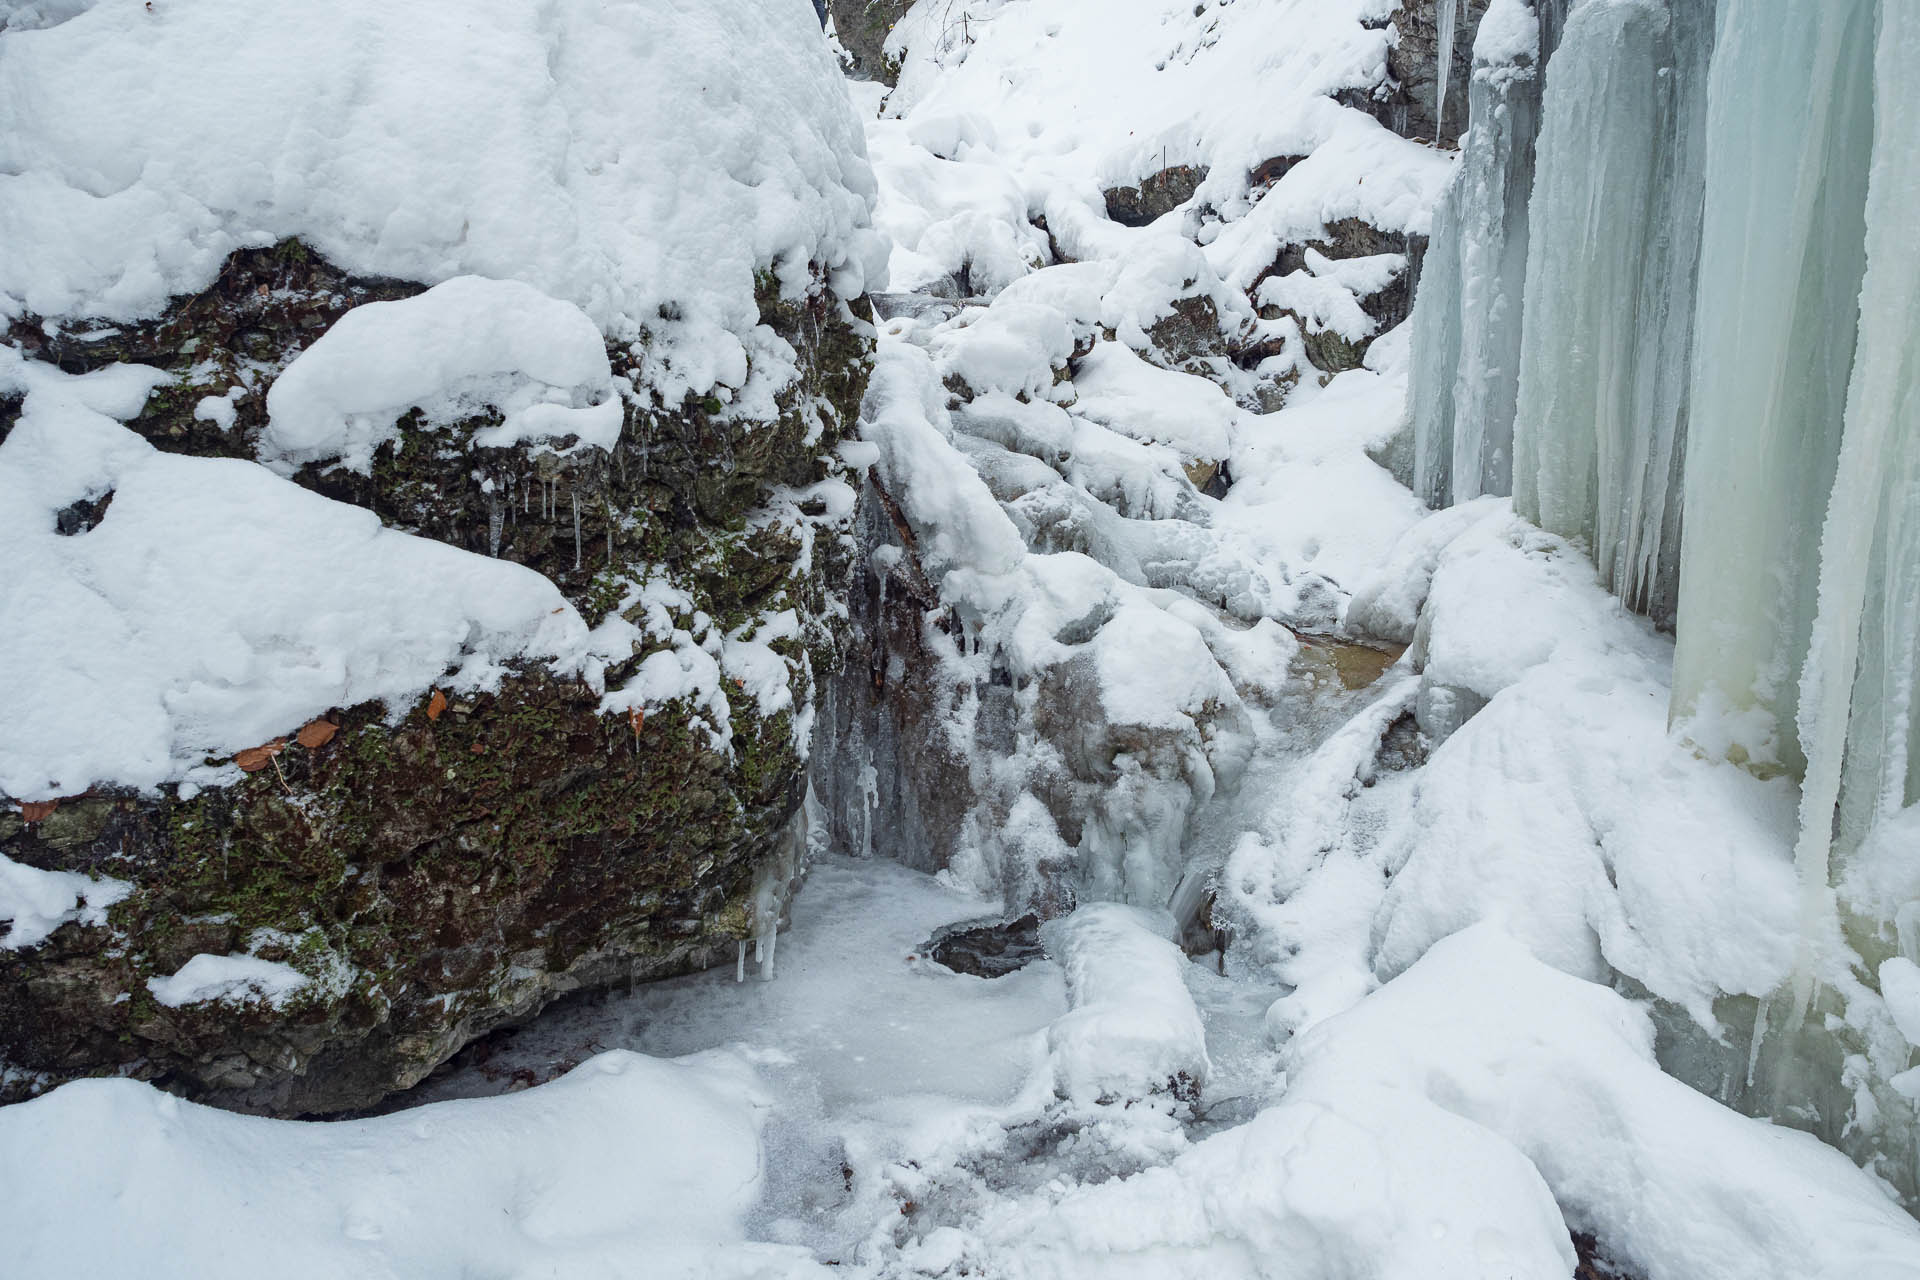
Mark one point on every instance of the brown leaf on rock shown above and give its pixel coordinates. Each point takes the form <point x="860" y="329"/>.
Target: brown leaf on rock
<point x="436" y="705"/>
<point x="38" y="810"/>
<point x="317" y="733"/>
<point x="254" y="759"/>
<point x="637" y="718"/>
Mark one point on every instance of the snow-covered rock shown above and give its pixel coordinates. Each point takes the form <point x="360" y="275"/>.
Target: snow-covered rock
<point x="499" y="683"/>
<point x="1131" y="1029"/>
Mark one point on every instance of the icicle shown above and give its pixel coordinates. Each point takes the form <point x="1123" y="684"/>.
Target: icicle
<point x="1447" y="12"/>
<point x="870" y="803"/>
<point x="496" y="523"/>
<point x="573" y="495"/>
<point x="740" y="962"/>
<point x="773" y="941"/>
<point x="1759" y="1034"/>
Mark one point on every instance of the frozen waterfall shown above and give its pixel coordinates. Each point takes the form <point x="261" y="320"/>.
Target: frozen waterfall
<point x="1616" y="206"/>
<point x="1679" y="326"/>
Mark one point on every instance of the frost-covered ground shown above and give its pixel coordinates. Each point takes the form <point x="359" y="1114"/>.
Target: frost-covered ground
<point x="1419" y="763"/>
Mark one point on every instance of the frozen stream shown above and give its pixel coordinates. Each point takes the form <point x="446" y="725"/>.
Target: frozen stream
<point x="905" y="1096"/>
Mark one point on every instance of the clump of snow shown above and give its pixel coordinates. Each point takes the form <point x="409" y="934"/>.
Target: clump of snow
<point x="1338" y="1180"/>
<point x="1388" y="600"/>
<point x="236" y="979"/>
<point x="34" y="902"/>
<point x="958" y="523"/>
<point x="1509" y="32"/>
<point x="1122" y="392"/>
<point x="215" y="605"/>
<point x="619" y="156"/>
<point x="625" y="1158"/>
<point x="1131" y="1029"/>
<point x="464" y="345"/>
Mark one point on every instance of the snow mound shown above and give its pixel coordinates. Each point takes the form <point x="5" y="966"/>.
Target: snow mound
<point x="462" y="346"/>
<point x="212" y="605"/>
<point x="1460" y="1123"/>
<point x="1131" y="1029"/>
<point x="624" y="1158"/>
<point x="1562" y="806"/>
<point x="1672" y="1183"/>
<point x="1124" y="393"/>
<point x="639" y="160"/>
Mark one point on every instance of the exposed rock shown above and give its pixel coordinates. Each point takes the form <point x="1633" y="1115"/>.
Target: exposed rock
<point x="991" y="949"/>
<point x="1159" y="193"/>
<point x="1189" y="333"/>
<point x="456" y="870"/>
<point x="1389" y="307"/>
<point x="862" y="27"/>
<point x="1405" y="101"/>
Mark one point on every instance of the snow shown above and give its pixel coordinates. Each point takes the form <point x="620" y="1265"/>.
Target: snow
<point x="1123" y="393"/>
<point x="36" y="902"/>
<point x="1563" y="808"/>
<point x="216" y="606"/>
<point x="1132" y="1029"/>
<point x="1900" y="987"/>
<point x="626" y="1161"/>
<point x="464" y="345"/>
<point x="1671" y="1182"/>
<point x="612" y="156"/>
<point x="1405" y="1054"/>
<point x="237" y="979"/>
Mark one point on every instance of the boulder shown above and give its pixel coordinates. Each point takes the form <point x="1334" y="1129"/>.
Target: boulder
<point x="439" y="870"/>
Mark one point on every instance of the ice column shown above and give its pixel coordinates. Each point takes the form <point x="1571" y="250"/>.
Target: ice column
<point x="1467" y="319"/>
<point x="1789" y="129"/>
<point x="1614" y="244"/>
<point x="1857" y="707"/>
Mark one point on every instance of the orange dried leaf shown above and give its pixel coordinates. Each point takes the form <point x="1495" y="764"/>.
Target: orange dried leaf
<point x="436" y="705"/>
<point x="254" y="759"/>
<point x="38" y="810"/>
<point x="317" y="734"/>
<point x="637" y="718"/>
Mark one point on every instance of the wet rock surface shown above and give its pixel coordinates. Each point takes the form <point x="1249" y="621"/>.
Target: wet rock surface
<point x="991" y="949"/>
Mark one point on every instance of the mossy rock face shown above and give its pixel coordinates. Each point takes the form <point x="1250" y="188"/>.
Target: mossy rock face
<point x="432" y="879"/>
<point x="451" y="871"/>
